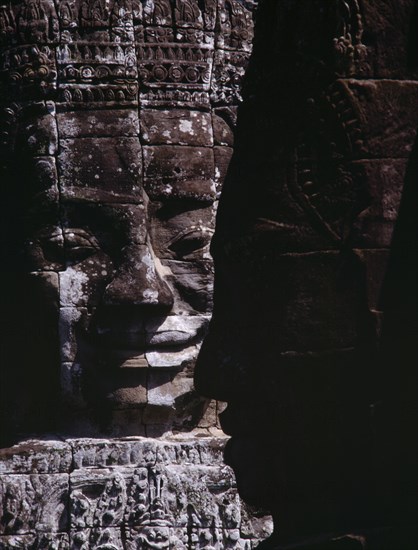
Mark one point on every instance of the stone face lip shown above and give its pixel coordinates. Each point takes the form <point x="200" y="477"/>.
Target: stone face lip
<point x="171" y="331"/>
<point x="175" y="329"/>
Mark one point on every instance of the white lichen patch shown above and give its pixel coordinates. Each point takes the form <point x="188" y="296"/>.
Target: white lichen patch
<point x="69" y="316"/>
<point x="186" y="126"/>
<point x="171" y="358"/>
<point x="150" y="296"/>
<point x="73" y="287"/>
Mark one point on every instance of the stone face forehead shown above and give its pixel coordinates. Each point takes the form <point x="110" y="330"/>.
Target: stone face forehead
<point x="114" y="98"/>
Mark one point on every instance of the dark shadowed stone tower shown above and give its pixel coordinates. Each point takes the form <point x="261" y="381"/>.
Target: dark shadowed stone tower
<point x="313" y="338"/>
<point x="117" y="126"/>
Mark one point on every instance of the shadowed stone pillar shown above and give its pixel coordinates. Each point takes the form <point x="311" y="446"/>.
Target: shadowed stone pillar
<point x="317" y="378"/>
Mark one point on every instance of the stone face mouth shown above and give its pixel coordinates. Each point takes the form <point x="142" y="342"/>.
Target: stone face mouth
<point x="158" y="341"/>
<point x="168" y="342"/>
<point x="167" y="336"/>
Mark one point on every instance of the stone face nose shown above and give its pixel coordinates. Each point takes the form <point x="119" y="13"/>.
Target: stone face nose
<point x="138" y="283"/>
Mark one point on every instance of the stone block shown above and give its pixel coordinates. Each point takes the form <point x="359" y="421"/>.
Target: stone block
<point x="126" y="423"/>
<point x="56" y="541"/>
<point x="37" y="501"/>
<point x="129" y="360"/>
<point x="179" y="172"/>
<point x="40" y="31"/>
<point x="44" y="176"/>
<point x="384" y="181"/>
<point x="97" y="499"/>
<point x="109" y="537"/>
<point x="228" y="71"/>
<point x="384" y="111"/>
<point x="185" y="66"/>
<point x="71" y="384"/>
<point x="387" y="37"/>
<point x="36" y="457"/>
<point x="103" y="123"/>
<point x="171" y="358"/>
<point x="236" y="29"/>
<point x="46" y="284"/>
<point x="32" y="73"/>
<point x="210" y="416"/>
<point x="105" y="453"/>
<point x="98" y="60"/>
<point x="160" y="392"/>
<point x="101" y="170"/>
<point x="124" y="388"/>
<point x="74" y="290"/>
<point x="172" y="401"/>
<point x="375" y="263"/>
<point x="39" y="131"/>
<point x="223" y="128"/>
<point x="141" y="452"/>
<point x="158" y="421"/>
<point x="176" y="127"/>
<point x="223" y="157"/>
<point x="69" y="316"/>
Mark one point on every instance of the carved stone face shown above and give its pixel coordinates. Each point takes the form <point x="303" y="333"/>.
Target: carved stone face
<point x="155" y="537"/>
<point x="132" y="273"/>
<point x="121" y="115"/>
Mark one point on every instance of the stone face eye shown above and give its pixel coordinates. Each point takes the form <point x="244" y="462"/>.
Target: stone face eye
<point x="50" y="244"/>
<point x="191" y="242"/>
<point x="79" y="245"/>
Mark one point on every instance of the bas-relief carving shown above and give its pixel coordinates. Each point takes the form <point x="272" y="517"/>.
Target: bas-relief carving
<point x="110" y="108"/>
<point x="301" y="246"/>
<point x="124" y="494"/>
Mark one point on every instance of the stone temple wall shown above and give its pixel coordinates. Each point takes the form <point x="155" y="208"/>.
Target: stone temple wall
<point x="117" y="124"/>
